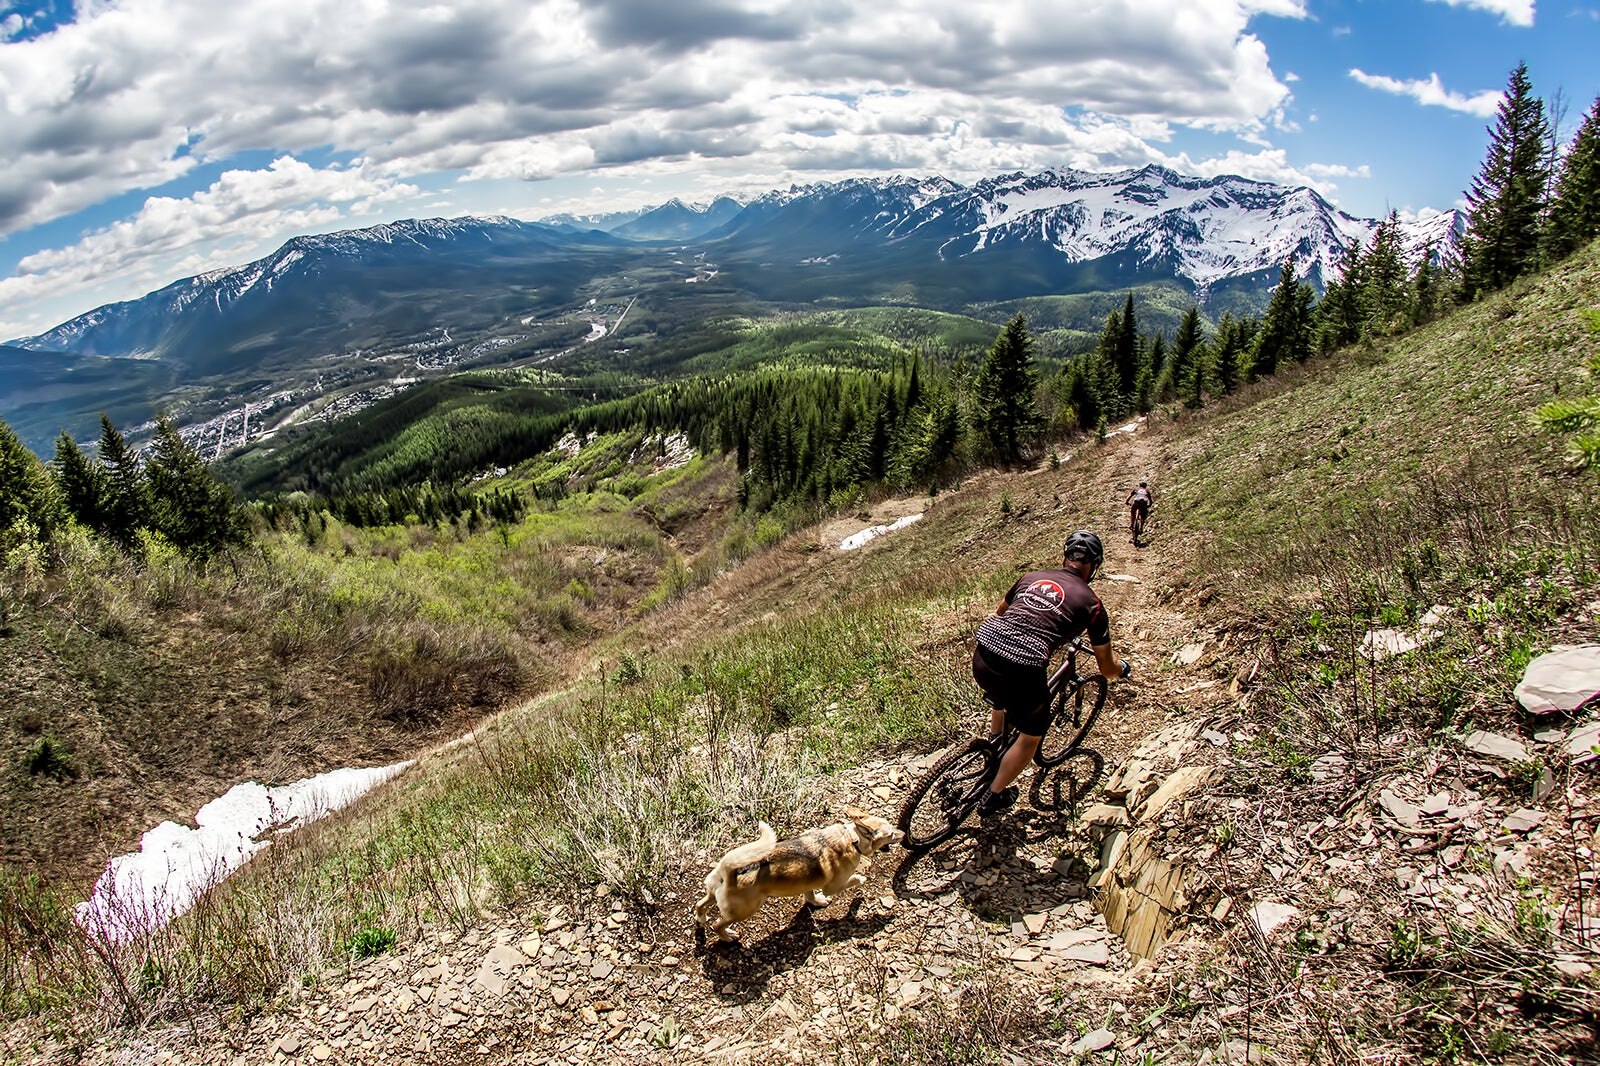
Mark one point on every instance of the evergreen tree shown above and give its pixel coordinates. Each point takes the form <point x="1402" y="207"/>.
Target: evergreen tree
<point x="127" y="499"/>
<point x="1286" y="327"/>
<point x="1005" y="392"/>
<point x="1386" y="289"/>
<point x="1151" y="357"/>
<point x="1425" y="289"/>
<point x="28" y="496"/>
<point x="1506" y="202"/>
<point x="1340" y="314"/>
<point x="1188" y="344"/>
<point x="1575" y="212"/>
<point x="1125" y="349"/>
<point x="82" y="483"/>
<point x="194" y="510"/>
<point x="1232" y="343"/>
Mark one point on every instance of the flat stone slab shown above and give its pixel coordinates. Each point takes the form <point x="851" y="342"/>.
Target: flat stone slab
<point x="1496" y="746"/>
<point x="1177" y="785"/>
<point x="1524" y="821"/>
<point x="1097" y="1040"/>
<point x="1582" y="742"/>
<point x="1270" y="917"/>
<point x="1380" y="644"/>
<point x="1407" y="814"/>
<point x="1095" y="953"/>
<point x="1561" y="680"/>
<point x="1189" y="654"/>
<point x="1106" y="814"/>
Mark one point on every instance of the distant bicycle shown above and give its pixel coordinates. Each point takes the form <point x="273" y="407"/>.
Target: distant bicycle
<point x="1140" y="502"/>
<point x="949" y="792"/>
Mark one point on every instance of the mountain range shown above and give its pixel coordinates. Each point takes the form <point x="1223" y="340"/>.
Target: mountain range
<point x="324" y="303"/>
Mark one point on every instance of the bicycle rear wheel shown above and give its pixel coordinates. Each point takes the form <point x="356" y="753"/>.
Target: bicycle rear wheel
<point x="1076" y="707"/>
<point x="947" y="795"/>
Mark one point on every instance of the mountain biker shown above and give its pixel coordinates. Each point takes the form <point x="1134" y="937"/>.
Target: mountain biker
<point x="1141" y="501"/>
<point x="1044" y="610"/>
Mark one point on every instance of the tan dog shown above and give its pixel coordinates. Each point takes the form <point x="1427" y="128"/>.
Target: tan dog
<point x="814" y="864"/>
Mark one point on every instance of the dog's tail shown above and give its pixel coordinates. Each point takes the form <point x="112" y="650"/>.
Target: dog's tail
<point x="755" y="851"/>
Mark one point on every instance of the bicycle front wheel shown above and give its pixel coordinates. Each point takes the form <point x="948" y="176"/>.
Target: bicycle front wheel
<point x="947" y="795"/>
<point x="1076" y="707"/>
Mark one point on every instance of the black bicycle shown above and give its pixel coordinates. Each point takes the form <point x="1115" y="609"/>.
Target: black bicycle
<point x="949" y="792"/>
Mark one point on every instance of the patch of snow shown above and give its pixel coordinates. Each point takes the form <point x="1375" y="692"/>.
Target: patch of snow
<point x="175" y="864"/>
<point x="665" y="451"/>
<point x="871" y="533"/>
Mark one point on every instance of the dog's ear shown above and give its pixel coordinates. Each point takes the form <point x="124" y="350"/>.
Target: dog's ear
<point x="857" y="814"/>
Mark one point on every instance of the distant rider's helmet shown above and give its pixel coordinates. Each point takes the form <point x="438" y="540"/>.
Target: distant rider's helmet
<point x="1144" y="484"/>
<point x="1085" y="546"/>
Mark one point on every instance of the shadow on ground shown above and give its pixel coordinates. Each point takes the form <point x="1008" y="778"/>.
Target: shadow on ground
<point x="995" y="867"/>
<point x="739" y="971"/>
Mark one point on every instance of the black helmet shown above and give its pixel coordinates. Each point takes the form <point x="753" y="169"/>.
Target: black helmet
<point x="1144" y="484"/>
<point x="1085" y="545"/>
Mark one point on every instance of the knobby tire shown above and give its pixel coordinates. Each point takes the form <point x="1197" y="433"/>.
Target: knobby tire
<point x="968" y="772"/>
<point x="1077" y="705"/>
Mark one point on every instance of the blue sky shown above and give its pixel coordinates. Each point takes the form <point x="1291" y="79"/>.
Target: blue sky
<point x="149" y="140"/>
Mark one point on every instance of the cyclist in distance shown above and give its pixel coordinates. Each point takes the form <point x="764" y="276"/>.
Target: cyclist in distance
<point x="1044" y="610"/>
<point x="1141" y="501"/>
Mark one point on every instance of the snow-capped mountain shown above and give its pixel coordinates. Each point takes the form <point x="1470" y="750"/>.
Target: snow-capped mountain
<point x="675" y="220"/>
<point x="341" y="304"/>
<point x="679" y="221"/>
<point x="1152" y="221"/>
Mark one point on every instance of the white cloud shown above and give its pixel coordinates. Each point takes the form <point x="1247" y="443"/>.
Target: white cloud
<point x="1272" y="165"/>
<point x="217" y="226"/>
<point x="130" y="95"/>
<point x="1431" y="92"/>
<point x="1513" y="12"/>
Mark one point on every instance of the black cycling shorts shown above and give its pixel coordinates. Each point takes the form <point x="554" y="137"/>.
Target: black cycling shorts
<point x="1142" y="506"/>
<point x="1022" y="692"/>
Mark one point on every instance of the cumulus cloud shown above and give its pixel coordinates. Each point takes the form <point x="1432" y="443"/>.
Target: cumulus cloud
<point x="1270" y="164"/>
<point x="130" y="95"/>
<point x="1512" y="12"/>
<point x="217" y="226"/>
<point x="1431" y="92"/>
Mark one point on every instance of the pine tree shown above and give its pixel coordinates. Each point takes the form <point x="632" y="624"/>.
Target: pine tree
<point x="1151" y="357"/>
<point x="194" y="510"/>
<point x="1506" y="201"/>
<point x="82" y="483"/>
<point x="1005" y="392"/>
<point x="28" y="496"/>
<point x="1386" y="287"/>
<point x="1425" y="289"/>
<point x="1286" y="327"/>
<point x="1575" y="212"/>
<point x="127" y="497"/>
<point x="1230" y="345"/>
<point x="1188" y="375"/>
<point x="1125" y="349"/>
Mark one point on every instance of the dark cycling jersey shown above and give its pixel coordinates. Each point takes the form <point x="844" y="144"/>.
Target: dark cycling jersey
<point x="1044" y="610"/>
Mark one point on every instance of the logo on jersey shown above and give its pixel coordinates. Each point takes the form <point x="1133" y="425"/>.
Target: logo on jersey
<point x="1048" y="591"/>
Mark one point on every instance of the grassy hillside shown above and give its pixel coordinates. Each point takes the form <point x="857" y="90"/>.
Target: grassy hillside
<point x="136" y="689"/>
<point x="1352" y="492"/>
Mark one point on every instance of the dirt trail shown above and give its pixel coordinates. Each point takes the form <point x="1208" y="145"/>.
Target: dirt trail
<point x="988" y="928"/>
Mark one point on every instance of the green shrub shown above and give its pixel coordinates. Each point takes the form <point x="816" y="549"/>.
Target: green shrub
<point x="369" y="941"/>
<point x="49" y="757"/>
